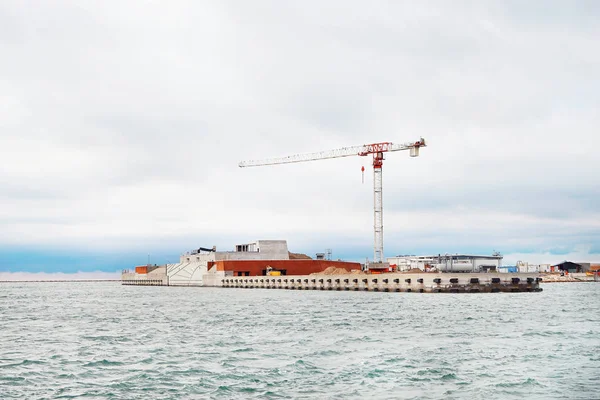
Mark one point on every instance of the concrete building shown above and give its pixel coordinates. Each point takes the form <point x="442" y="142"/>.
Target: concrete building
<point x="196" y="263"/>
<point x="544" y="268"/>
<point x="249" y="259"/>
<point x="448" y="263"/>
<point x="526" y="267"/>
<point x="586" y="266"/>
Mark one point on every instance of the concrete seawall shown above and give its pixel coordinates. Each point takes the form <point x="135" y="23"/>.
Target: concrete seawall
<point x="393" y="282"/>
<point x="155" y="278"/>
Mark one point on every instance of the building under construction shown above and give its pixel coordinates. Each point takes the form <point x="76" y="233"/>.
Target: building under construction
<point x="204" y="266"/>
<point x="268" y="264"/>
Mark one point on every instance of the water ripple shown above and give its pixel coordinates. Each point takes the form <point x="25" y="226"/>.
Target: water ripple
<point x="103" y="340"/>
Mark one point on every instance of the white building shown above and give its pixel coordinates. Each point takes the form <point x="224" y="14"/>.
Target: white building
<point x="448" y="262"/>
<point x="524" y="266"/>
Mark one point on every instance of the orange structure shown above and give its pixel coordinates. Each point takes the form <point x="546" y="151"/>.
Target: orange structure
<point x="286" y="267"/>
<point x="142" y="269"/>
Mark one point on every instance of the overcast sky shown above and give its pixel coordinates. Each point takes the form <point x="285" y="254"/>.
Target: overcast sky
<point x="122" y="125"/>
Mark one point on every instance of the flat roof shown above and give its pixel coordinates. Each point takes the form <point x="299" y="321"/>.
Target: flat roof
<point x="453" y="255"/>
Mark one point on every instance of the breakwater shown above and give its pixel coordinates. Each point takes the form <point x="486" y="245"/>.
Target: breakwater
<point x="393" y="282"/>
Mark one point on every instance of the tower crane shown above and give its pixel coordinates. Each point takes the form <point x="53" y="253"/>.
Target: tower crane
<point x="377" y="150"/>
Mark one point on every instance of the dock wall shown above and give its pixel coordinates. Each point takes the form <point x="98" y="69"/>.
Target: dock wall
<point x="389" y="282"/>
<point x="157" y="277"/>
<point x="394" y="282"/>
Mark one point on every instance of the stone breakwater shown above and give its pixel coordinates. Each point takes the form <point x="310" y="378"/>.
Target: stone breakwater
<point x="574" y="277"/>
<point x="393" y="282"/>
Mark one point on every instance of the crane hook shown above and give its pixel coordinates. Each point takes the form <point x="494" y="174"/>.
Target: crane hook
<point x="362" y="169"/>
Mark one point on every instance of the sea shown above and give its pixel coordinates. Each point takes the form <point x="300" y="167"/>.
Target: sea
<point x="101" y="340"/>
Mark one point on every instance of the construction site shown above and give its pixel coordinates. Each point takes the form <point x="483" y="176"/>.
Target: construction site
<point x="207" y="266"/>
<point x="269" y="264"/>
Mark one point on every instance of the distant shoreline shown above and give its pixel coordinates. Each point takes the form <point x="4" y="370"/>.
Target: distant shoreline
<point x="60" y="280"/>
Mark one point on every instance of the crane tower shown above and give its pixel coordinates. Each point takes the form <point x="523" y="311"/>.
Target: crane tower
<point x="377" y="150"/>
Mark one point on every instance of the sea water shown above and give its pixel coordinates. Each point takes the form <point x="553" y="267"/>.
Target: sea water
<point x="107" y="341"/>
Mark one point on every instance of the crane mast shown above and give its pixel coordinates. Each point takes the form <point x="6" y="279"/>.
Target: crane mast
<point x="377" y="150"/>
<point x="378" y="208"/>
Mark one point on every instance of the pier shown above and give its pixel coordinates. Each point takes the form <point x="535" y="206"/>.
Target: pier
<point x="393" y="282"/>
<point x="144" y="282"/>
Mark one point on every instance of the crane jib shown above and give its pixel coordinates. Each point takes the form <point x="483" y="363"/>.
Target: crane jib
<point x="363" y="150"/>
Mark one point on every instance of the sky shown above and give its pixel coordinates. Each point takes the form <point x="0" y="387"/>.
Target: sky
<point x="122" y="125"/>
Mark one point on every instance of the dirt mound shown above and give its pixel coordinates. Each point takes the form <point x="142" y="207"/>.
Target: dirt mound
<point x="335" y="271"/>
<point x="298" y="256"/>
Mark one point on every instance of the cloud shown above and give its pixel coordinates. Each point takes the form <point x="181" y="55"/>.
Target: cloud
<point x="121" y="125"/>
<point x="579" y="253"/>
